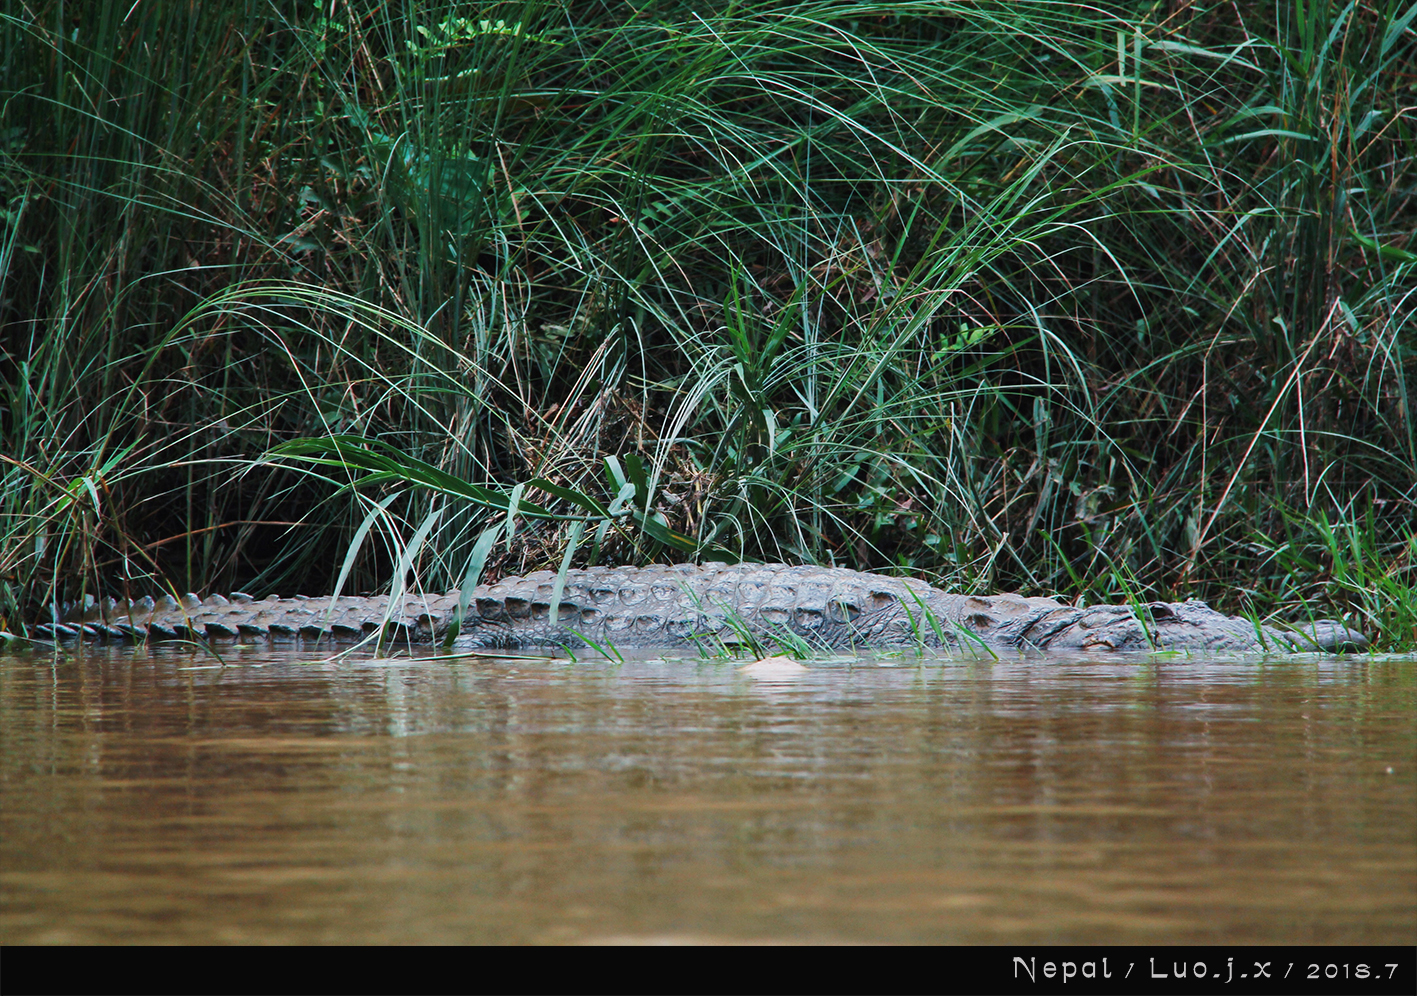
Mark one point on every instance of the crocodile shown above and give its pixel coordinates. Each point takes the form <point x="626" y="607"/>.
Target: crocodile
<point x="685" y="605"/>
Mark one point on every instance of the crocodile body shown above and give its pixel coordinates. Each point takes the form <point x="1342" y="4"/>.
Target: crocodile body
<point x="655" y="608"/>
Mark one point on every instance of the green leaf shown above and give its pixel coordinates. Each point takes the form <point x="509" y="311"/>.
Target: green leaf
<point x="380" y="508"/>
<point x="392" y="465"/>
<point x="573" y="541"/>
<point x="635" y="469"/>
<point x="661" y="532"/>
<point x="475" y="563"/>
<point x="585" y="501"/>
<point x="1386" y="252"/>
<point x="513" y="506"/>
<point x="1396" y="29"/>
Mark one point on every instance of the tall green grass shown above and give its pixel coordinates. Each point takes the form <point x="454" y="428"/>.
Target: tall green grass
<point x="1014" y="295"/>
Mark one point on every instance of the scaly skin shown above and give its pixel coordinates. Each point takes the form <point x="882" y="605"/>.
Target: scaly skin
<point x="654" y="608"/>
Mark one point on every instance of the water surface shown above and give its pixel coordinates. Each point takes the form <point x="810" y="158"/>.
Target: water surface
<point x="146" y="795"/>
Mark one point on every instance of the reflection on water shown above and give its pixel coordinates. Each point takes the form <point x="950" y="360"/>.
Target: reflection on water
<point x="144" y="797"/>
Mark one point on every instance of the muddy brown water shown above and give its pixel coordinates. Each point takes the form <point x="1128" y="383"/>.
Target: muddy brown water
<point x="146" y="795"/>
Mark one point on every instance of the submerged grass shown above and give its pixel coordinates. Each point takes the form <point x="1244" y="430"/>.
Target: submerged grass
<point x="1022" y="295"/>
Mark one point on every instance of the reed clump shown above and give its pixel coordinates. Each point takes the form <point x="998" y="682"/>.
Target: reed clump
<point x="1016" y="295"/>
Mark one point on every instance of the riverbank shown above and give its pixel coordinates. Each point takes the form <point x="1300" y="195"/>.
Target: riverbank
<point x="1014" y="296"/>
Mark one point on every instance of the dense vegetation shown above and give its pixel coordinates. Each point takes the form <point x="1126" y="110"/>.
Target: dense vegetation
<point x="1107" y="302"/>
